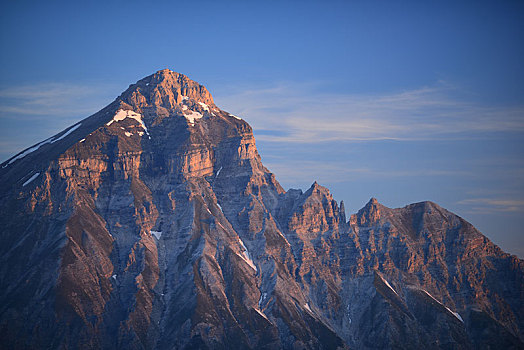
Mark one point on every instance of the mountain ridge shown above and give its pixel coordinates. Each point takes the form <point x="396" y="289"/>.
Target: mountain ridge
<point x="156" y="221"/>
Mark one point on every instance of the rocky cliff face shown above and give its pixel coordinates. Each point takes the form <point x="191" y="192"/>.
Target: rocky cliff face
<point x="154" y="225"/>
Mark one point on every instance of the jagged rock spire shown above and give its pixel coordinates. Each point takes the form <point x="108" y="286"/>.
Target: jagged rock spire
<point x="370" y="214"/>
<point x="342" y="211"/>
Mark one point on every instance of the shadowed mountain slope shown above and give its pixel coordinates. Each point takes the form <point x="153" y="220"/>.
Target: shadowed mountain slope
<point x="153" y="224"/>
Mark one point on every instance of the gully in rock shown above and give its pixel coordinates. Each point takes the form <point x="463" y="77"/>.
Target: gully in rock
<point x="153" y="224"/>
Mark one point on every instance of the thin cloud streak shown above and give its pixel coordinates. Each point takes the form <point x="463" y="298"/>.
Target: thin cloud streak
<point x="493" y="205"/>
<point x="31" y="113"/>
<point x="57" y="99"/>
<point x="335" y="172"/>
<point x="430" y="113"/>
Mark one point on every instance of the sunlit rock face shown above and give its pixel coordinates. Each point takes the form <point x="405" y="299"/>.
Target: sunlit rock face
<point x="153" y="224"/>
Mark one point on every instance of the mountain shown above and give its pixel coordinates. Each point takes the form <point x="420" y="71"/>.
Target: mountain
<point x="153" y="224"/>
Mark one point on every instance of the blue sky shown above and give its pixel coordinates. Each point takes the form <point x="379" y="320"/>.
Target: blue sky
<point x="404" y="101"/>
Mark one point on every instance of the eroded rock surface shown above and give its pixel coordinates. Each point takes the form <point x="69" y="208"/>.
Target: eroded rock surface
<point x="154" y="225"/>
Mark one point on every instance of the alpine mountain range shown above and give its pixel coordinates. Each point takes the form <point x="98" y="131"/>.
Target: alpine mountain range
<point x="153" y="224"/>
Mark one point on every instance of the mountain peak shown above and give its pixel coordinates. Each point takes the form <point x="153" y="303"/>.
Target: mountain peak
<point x="368" y="215"/>
<point x="162" y="94"/>
<point x="165" y="89"/>
<point x="373" y="201"/>
<point x="166" y="71"/>
<point x="155" y="218"/>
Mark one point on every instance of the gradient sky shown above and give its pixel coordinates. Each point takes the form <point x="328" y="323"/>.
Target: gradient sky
<point x="401" y="100"/>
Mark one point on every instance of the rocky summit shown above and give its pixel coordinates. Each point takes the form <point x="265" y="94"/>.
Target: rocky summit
<point x="153" y="224"/>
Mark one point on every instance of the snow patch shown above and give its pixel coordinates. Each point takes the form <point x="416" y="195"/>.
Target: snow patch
<point x="82" y="140"/>
<point x="206" y="107"/>
<point x="234" y="116"/>
<point x="246" y="257"/>
<point x="157" y="234"/>
<point x="387" y="284"/>
<point x="123" y="114"/>
<point x="456" y="314"/>
<point x="185" y="98"/>
<point x="281" y="235"/>
<point x="349" y="314"/>
<point x="307" y="307"/>
<point x="192" y="116"/>
<point x="261" y="314"/>
<point x="114" y="276"/>
<point x="31" y="179"/>
<point x="219" y="224"/>
<point x="73" y="128"/>
<point x="184" y="107"/>
<point x="219" y="206"/>
<point x="263" y="297"/>
<point x="128" y="134"/>
<point x="218" y="172"/>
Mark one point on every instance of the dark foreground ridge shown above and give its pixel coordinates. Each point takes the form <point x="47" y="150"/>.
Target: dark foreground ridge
<point x="153" y="224"/>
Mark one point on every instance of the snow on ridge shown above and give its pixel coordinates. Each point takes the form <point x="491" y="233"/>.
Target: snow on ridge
<point x="29" y="150"/>
<point x="220" y="207"/>
<point x="261" y="314"/>
<point x="246" y="257"/>
<point x="122" y="114"/>
<point x="387" y="284"/>
<point x="456" y="314"/>
<point x="234" y="116"/>
<point x="40" y="144"/>
<point x="73" y="128"/>
<point x="219" y="224"/>
<point x="157" y="234"/>
<point x="281" y="235"/>
<point x="31" y="179"/>
<point x="218" y="172"/>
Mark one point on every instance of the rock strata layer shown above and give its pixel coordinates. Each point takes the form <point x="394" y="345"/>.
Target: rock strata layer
<point x="153" y="224"/>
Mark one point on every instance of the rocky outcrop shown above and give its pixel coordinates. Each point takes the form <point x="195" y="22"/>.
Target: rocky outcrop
<point x="153" y="224"/>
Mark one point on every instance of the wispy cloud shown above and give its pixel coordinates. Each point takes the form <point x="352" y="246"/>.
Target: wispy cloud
<point x="299" y="113"/>
<point x="493" y="205"/>
<point x="31" y="113"/>
<point x="304" y="171"/>
<point x="56" y="99"/>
